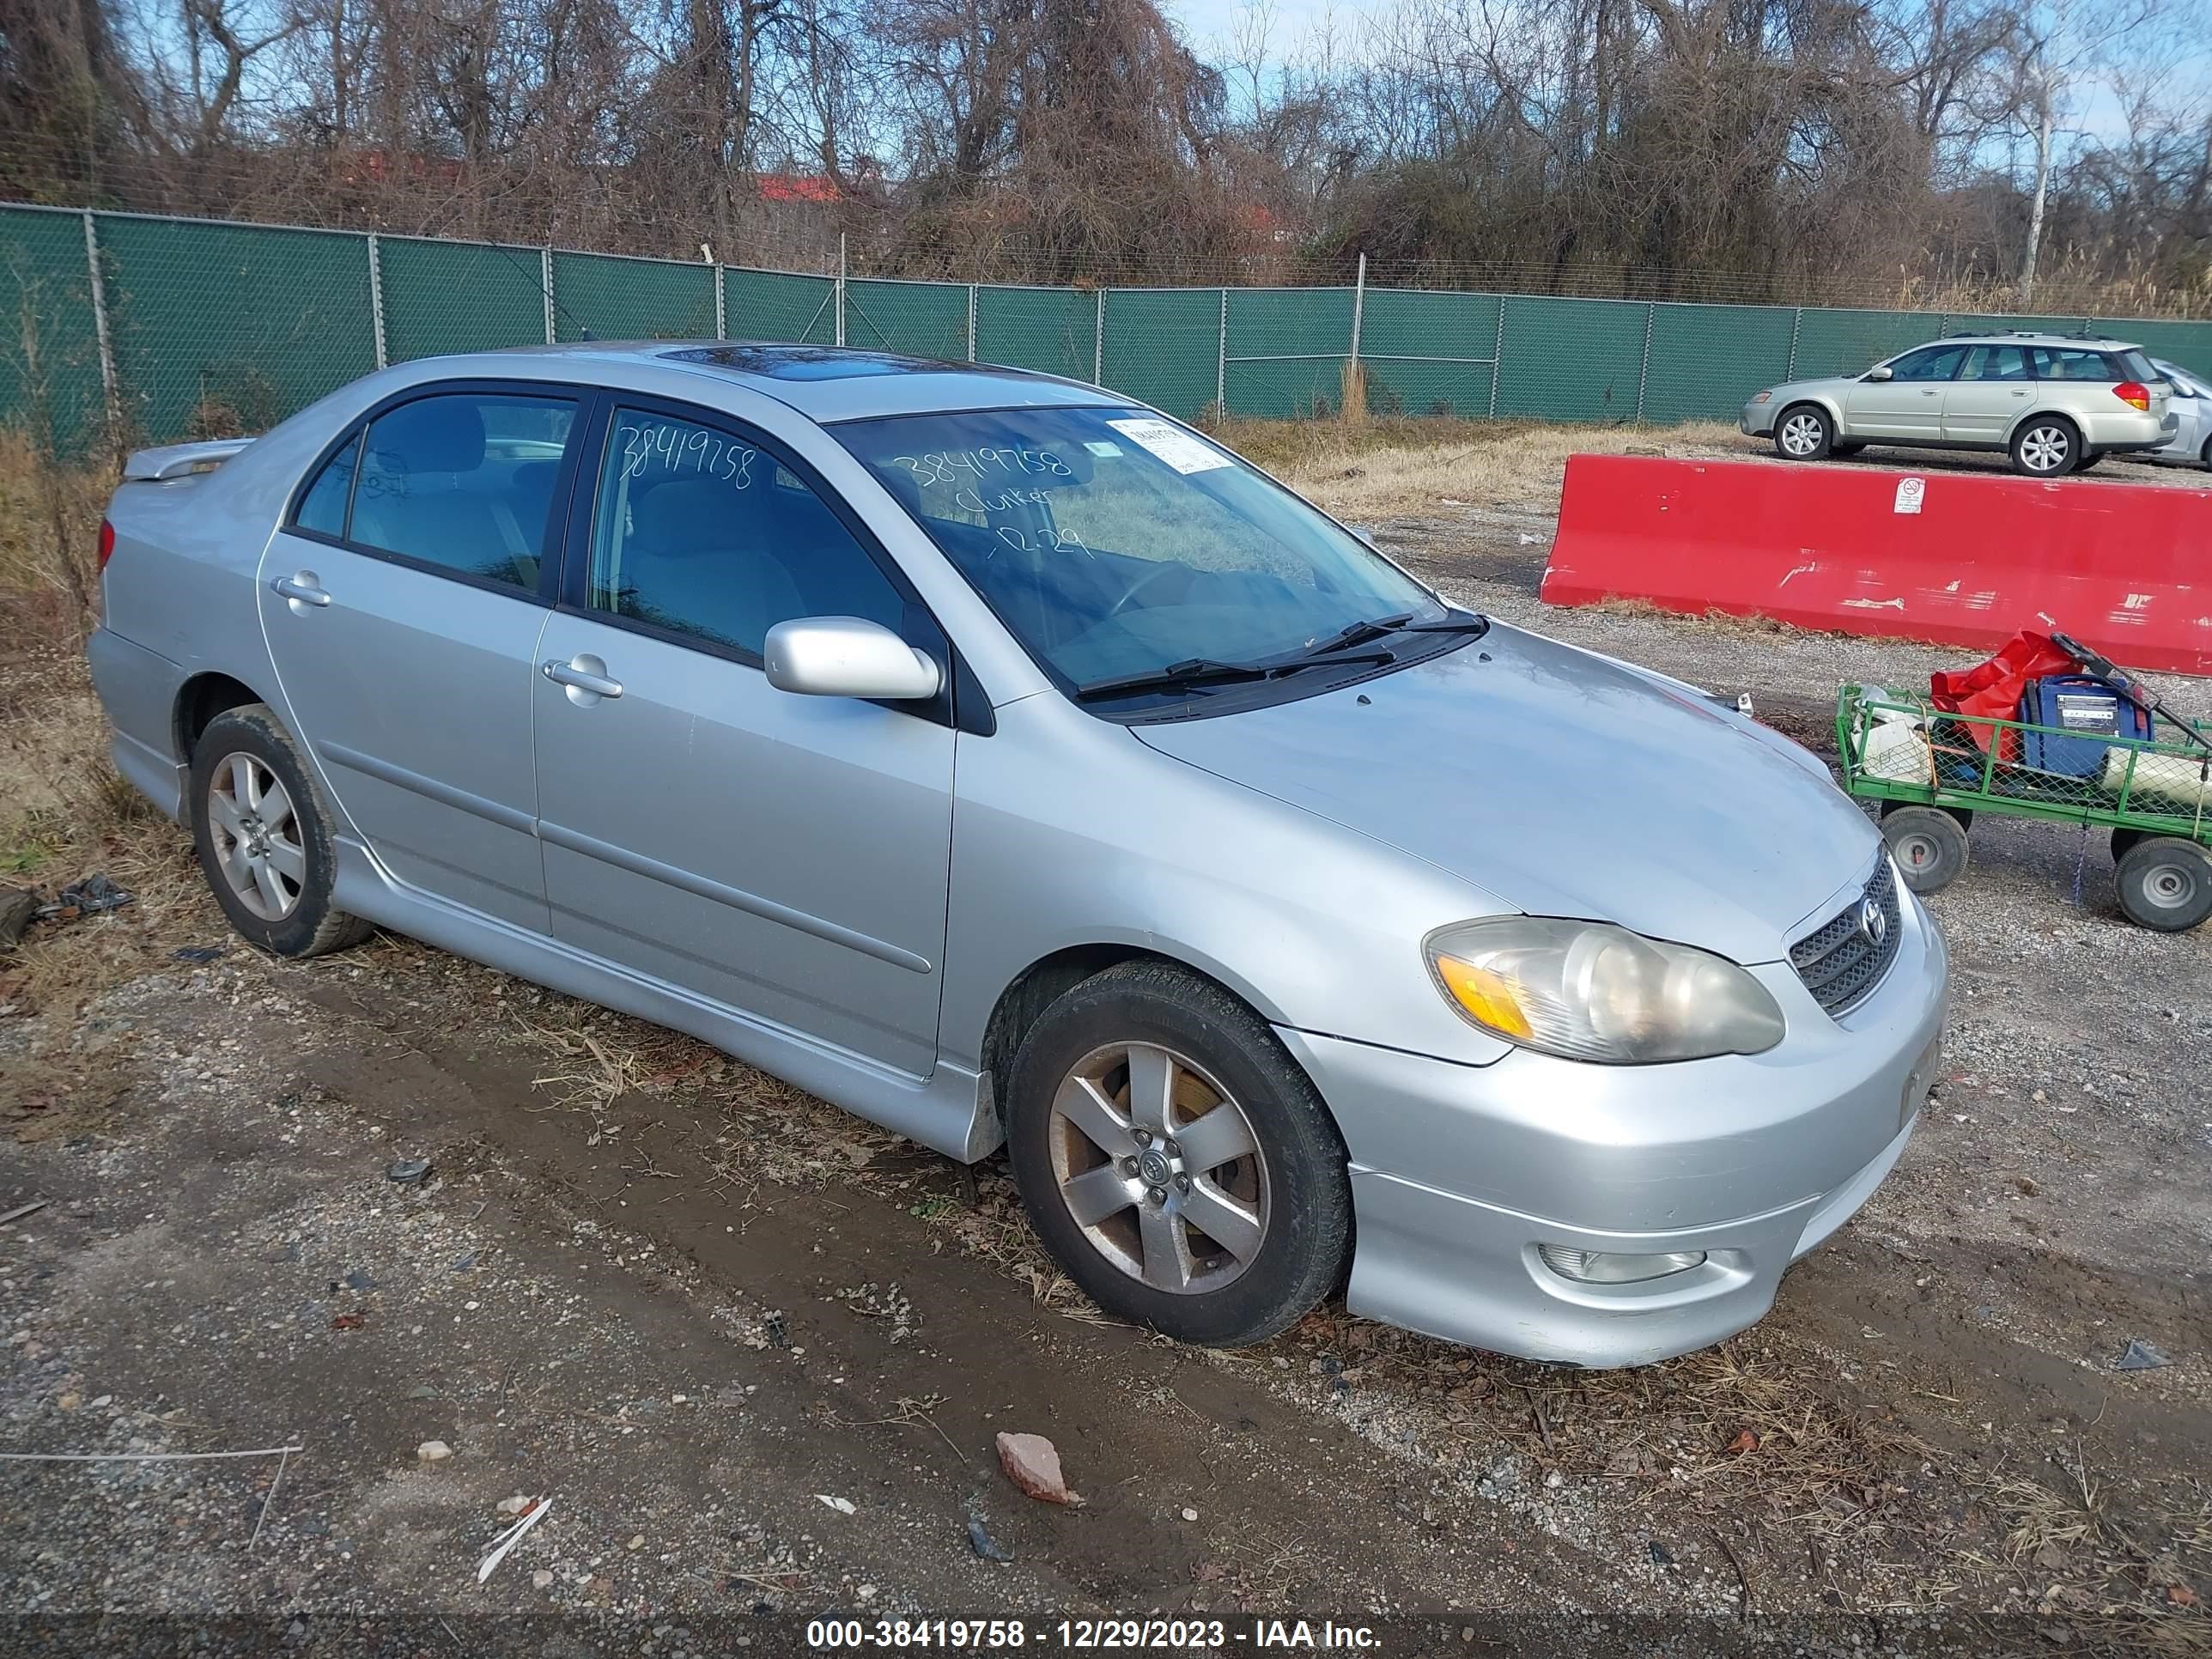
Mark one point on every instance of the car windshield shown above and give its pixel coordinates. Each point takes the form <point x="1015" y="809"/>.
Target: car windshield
<point x="1117" y="545"/>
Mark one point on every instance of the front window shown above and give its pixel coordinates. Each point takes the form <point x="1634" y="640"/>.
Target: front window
<point x="1929" y="363"/>
<point x="701" y="534"/>
<point x="1116" y="545"/>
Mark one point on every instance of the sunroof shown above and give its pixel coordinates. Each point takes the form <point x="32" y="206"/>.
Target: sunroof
<point x="803" y="362"/>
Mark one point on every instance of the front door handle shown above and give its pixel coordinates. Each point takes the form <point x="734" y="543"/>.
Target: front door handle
<point x="302" y="589"/>
<point x="584" y="674"/>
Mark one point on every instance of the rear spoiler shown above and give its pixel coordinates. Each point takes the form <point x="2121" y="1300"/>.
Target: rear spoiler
<point x="180" y="460"/>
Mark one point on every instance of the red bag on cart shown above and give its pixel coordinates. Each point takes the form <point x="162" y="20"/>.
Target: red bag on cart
<point x="1996" y="687"/>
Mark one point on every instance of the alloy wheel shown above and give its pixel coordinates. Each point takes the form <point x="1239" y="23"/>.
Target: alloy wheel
<point x="1159" y="1167"/>
<point x="2044" y="449"/>
<point x="257" y="836"/>
<point x="1801" y="434"/>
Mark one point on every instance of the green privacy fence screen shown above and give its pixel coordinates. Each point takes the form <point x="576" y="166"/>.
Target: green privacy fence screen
<point x="157" y="329"/>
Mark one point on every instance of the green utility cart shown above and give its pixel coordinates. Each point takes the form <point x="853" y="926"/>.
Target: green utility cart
<point x="1933" y="770"/>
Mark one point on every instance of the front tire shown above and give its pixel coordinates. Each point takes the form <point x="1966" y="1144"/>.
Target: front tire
<point x="263" y="835"/>
<point x="1803" y="432"/>
<point x="2045" y="446"/>
<point x="2165" y="884"/>
<point x="1175" y="1159"/>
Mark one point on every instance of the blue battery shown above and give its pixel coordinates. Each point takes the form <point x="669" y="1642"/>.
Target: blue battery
<point x="2077" y="703"/>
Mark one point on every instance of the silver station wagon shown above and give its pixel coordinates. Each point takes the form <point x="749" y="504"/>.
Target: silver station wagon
<point x="1008" y="763"/>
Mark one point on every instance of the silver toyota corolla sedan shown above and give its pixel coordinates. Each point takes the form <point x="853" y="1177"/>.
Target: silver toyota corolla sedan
<point x="1009" y="763"/>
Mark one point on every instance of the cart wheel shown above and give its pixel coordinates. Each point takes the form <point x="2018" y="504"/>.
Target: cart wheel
<point x="2124" y="839"/>
<point x="1964" y="814"/>
<point x="1929" y="844"/>
<point x="2165" y="883"/>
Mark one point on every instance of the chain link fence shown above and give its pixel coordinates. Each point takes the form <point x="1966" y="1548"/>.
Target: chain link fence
<point x="119" y="328"/>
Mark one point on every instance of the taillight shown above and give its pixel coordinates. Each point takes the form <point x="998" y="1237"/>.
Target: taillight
<point x="106" y="542"/>
<point x="2134" y="393"/>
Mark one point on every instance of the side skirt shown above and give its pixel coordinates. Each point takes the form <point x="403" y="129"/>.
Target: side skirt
<point x="950" y="1111"/>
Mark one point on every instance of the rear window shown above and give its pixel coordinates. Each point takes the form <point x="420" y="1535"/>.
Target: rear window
<point x="2071" y="363"/>
<point x="2136" y="367"/>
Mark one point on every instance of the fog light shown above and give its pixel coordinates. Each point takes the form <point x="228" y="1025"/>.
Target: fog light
<point x="1611" y="1268"/>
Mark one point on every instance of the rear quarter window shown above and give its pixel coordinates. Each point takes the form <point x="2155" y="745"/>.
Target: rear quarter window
<point x="323" y="506"/>
<point x="2073" y="363"/>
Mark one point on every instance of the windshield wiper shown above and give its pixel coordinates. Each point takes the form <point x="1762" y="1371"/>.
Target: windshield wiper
<point x="1192" y="671"/>
<point x="1452" y="622"/>
<point x="1200" y="671"/>
<point x="1359" y="633"/>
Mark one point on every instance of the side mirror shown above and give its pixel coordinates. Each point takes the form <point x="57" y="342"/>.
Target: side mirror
<point x="847" y="657"/>
<point x="1880" y="372"/>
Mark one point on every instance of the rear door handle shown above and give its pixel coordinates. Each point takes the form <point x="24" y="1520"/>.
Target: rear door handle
<point x="578" y="678"/>
<point x="302" y="589"/>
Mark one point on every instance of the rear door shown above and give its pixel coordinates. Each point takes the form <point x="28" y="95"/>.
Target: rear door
<point x="1909" y="405"/>
<point x="402" y="603"/>
<point x="788" y="856"/>
<point x="1993" y="389"/>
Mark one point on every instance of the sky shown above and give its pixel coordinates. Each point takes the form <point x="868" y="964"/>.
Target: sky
<point x="1211" y="27"/>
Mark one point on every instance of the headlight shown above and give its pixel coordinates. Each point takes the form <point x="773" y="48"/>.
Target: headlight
<point x="1760" y="397"/>
<point x="1587" y="990"/>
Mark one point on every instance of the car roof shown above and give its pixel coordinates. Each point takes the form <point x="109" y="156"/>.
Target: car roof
<point x="2031" y="337"/>
<point x="826" y="384"/>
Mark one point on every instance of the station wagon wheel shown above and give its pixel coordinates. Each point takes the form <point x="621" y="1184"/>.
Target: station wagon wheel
<point x="1175" y="1159"/>
<point x="1159" y="1167"/>
<point x="262" y="834"/>
<point x="2045" y="447"/>
<point x="1803" y="433"/>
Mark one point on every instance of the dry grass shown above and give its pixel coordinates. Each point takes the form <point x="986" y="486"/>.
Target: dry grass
<point x="65" y="812"/>
<point x="1388" y="468"/>
<point x="49" y="536"/>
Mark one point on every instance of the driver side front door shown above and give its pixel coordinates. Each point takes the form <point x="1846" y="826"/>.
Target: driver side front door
<point x="1909" y="405"/>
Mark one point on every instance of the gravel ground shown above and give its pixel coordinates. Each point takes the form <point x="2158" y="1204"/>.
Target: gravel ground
<point x="687" y="1304"/>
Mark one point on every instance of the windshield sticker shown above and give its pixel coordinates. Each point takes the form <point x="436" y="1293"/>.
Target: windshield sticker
<point x="1177" y="449"/>
<point x="1100" y="448"/>
<point x="983" y="466"/>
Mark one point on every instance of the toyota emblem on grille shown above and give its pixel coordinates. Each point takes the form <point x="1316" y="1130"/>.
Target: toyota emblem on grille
<point x="1872" y="922"/>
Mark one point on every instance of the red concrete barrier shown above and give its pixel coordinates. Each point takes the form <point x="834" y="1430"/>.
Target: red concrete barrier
<point x="1943" y="557"/>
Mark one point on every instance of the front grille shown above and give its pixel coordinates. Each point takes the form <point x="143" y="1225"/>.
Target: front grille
<point x="1841" y="961"/>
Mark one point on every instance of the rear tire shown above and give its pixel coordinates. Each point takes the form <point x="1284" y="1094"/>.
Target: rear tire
<point x="262" y="833"/>
<point x="1108" y="1092"/>
<point x="1803" y="432"/>
<point x="2045" y="446"/>
<point x="1929" y="844"/>
<point x="2165" y="884"/>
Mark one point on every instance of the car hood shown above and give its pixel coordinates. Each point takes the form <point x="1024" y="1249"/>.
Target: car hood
<point x="1564" y="783"/>
<point x="1832" y="385"/>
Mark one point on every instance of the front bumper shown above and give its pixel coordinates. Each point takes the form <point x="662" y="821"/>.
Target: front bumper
<point x="1460" y="1172"/>
<point x="1757" y="420"/>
